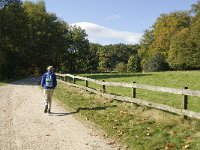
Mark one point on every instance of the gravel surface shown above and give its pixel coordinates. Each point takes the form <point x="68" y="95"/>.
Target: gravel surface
<point x="24" y="126"/>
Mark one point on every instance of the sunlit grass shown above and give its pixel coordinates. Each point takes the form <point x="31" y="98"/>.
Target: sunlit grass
<point x="134" y="126"/>
<point x="175" y="79"/>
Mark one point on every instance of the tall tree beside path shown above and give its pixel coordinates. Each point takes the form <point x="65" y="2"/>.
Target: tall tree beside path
<point x="13" y="33"/>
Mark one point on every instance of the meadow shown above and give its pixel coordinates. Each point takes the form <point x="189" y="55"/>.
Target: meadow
<point x="175" y="79"/>
<point x="133" y="126"/>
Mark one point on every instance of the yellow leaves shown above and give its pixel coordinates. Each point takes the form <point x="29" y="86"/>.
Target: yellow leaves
<point x="120" y="132"/>
<point x="169" y="146"/>
<point x="187" y="142"/>
<point x="149" y="132"/>
<point x="123" y="113"/>
<point x="111" y="142"/>
<point x="188" y="139"/>
<point x="171" y="133"/>
<point x="186" y="146"/>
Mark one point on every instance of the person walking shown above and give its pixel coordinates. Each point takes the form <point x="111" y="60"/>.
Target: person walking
<point x="49" y="83"/>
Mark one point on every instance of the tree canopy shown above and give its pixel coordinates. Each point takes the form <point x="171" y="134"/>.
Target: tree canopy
<point x="32" y="38"/>
<point x="176" y="37"/>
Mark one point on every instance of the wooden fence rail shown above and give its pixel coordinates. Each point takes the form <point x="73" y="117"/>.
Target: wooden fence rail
<point x="185" y="92"/>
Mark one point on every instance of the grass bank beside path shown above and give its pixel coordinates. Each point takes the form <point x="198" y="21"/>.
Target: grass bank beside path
<point x="171" y="79"/>
<point x="133" y="126"/>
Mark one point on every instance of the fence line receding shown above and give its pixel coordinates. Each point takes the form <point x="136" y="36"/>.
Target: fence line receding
<point x="185" y="92"/>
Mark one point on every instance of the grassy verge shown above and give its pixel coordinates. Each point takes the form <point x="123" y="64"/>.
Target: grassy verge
<point x="131" y="125"/>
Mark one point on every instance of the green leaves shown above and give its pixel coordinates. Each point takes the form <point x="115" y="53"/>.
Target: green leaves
<point x="133" y="64"/>
<point x="176" y="37"/>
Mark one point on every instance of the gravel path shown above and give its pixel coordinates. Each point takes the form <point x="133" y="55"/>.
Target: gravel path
<point x="24" y="126"/>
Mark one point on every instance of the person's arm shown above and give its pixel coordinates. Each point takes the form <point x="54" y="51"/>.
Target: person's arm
<point x="43" y="80"/>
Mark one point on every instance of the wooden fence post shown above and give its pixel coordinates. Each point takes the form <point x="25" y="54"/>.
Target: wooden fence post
<point x="104" y="87"/>
<point x="74" y="80"/>
<point x="134" y="91"/>
<point x="68" y="79"/>
<point x="185" y="102"/>
<point x="86" y="83"/>
<point x="65" y="78"/>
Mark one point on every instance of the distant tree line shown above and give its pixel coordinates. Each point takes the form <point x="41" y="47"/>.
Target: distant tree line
<point x="32" y="38"/>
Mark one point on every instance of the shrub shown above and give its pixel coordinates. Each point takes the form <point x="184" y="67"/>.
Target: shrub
<point x="133" y="64"/>
<point x="155" y="62"/>
<point x="120" y="67"/>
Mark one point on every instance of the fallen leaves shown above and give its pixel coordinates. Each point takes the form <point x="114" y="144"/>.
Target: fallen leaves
<point x="149" y="132"/>
<point x="111" y="142"/>
<point x="187" y="142"/>
<point x="171" y="133"/>
<point x="188" y="139"/>
<point x="169" y="146"/>
<point x="186" y="146"/>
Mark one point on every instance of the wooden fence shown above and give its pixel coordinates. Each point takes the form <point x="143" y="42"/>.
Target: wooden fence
<point x="65" y="78"/>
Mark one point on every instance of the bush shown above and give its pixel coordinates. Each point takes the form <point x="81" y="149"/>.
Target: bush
<point x="133" y="64"/>
<point x="155" y="62"/>
<point x="120" y="67"/>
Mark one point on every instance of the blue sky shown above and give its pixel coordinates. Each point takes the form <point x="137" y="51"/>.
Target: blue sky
<point x="114" y="21"/>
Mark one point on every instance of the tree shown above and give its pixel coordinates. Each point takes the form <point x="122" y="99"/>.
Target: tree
<point x="4" y="3"/>
<point x="13" y="27"/>
<point x="48" y="38"/>
<point x="78" y="49"/>
<point x="166" y="27"/>
<point x="111" y="55"/>
<point x="196" y="8"/>
<point x="182" y="53"/>
<point x="145" y="44"/>
<point x="120" y="67"/>
<point x="103" y="60"/>
<point x="93" y="57"/>
<point x="156" y="62"/>
<point x="133" y="64"/>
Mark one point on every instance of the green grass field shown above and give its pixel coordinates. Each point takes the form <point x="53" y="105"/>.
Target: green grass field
<point x="178" y="80"/>
<point x="135" y="126"/>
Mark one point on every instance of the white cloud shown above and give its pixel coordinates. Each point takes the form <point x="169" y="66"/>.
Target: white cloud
<point x="103" y="35"/>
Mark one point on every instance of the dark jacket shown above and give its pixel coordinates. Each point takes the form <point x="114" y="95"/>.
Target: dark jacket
<point x="43" y="81"/>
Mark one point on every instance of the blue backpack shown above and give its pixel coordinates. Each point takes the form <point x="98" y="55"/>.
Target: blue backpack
<point x="49" y="80"/>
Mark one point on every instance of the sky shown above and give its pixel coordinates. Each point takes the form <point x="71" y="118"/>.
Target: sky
<point x="114" y="21"/>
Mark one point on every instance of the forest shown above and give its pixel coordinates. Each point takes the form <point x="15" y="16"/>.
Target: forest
<point x="32" y="39"/>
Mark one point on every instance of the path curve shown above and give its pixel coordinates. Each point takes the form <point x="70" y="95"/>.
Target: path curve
<point x="24" y="126"/>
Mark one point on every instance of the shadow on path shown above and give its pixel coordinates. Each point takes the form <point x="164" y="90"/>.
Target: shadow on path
<point x="34" y="81"/>
<point x="61" y="114"/>
<point x="81" y="108"/>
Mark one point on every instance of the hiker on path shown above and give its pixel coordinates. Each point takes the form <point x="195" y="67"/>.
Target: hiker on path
<point x="49" y="83"/>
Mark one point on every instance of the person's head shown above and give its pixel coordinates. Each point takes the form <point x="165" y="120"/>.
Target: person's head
<point x="50" y="68"/>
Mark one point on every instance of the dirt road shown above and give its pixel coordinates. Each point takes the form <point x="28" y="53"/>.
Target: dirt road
<point x="24" y="126"/>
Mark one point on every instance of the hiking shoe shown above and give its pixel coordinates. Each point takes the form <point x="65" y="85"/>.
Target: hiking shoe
<point x="45" y="110"/>
<point x="49" y="111"/>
